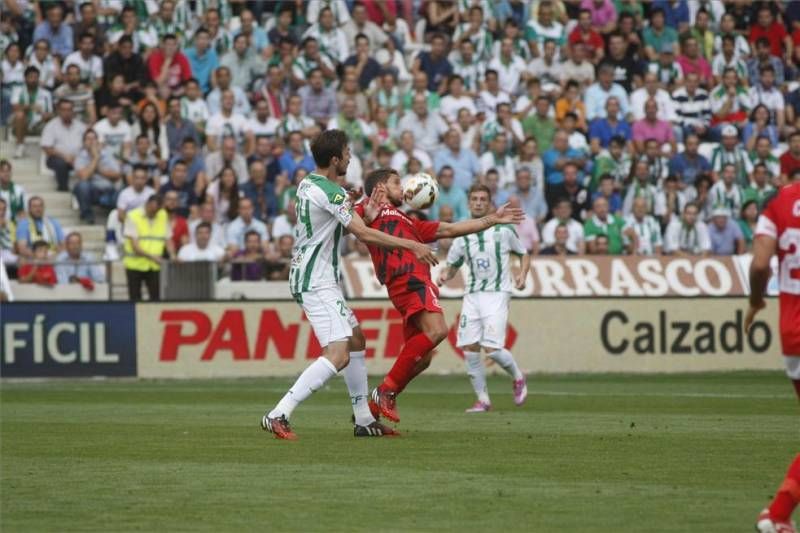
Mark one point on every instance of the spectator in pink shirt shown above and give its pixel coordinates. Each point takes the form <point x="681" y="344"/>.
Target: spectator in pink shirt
<point x="604" y="14"/>
<point x="527" y="230"/>
<point x="652" y="128"/>
<point x="692" y="61"/>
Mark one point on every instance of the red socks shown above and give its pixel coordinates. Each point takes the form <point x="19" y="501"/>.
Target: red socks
<point x="788" y="494"/>
<point x="403" y="370"/>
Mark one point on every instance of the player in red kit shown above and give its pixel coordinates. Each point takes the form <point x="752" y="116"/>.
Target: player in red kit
<point x="408" y="280"/>
<point x="778" y="231"/>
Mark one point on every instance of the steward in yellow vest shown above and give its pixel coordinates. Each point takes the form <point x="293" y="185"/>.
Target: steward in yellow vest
<point x="147" y="237"/>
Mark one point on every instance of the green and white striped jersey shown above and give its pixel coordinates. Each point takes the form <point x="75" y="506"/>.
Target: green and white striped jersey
<point x="487" y="257"/>
<point x="649" y="233"/>
<point x="323" y="211"/>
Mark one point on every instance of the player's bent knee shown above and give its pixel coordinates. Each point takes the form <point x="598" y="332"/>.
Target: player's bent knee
<point x="357" y="341"/>
<point x="471" y="348"/>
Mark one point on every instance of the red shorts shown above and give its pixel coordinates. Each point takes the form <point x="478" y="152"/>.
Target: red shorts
<point x="410" y="295"/>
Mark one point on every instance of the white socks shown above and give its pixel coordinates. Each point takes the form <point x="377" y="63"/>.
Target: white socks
<point x="477" y="375"/>
<point x="504" y="358"/>
<point x="355" y="375"/>
<point x="310" y="381"/>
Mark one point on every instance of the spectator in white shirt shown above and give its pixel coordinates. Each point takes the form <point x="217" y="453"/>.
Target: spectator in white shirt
<point x="429" y="126"/>
<point x="687" y="236"/>
<point x="229" y="123"/>
<point x="456" y="100"/>
<point x="202" y="249"/>
<point x="562" y="215"/>
<point x="207" y="214"/>
<point x="90" y="65"/>
<point x="136" y="194"/>
<point x="666" y="107"/>
<point x="407" y="151"/>
<point x="284" y="224"/>
<point x="509" y="66"/>
<point x="113" y="132"/>
<point x="241" y="225"/>
<point x="493" y="95"/>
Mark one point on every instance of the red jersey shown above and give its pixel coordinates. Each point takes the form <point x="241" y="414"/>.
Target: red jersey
<point x="394" y="266"/>
<point x="781" y="221"/>
<point x="775" y="34"/>
<point x="788" y="163"/>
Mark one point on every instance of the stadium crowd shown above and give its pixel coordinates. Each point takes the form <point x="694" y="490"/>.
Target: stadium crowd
<point x="621" y="127"/>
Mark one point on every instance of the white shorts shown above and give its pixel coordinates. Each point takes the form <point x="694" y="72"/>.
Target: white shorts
<point x="484" y="319"/>
<point x="792" y="366"/>
<point x="327" y="311"/>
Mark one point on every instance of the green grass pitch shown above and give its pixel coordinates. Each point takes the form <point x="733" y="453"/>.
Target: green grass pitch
<point x="587" y="453"/>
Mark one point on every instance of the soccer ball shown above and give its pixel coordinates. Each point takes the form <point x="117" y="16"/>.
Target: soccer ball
<point x="420" y="191"/>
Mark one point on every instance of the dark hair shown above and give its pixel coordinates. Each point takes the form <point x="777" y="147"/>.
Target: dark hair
<point x="490" y="71"/>
<point x="40" y="244"/>
<point x="202" y="225"/>
<point x="360" y="36"/>
<point x="31" y="70"/>
<point x="766" y="68"/>
<point x="375" y="177"/>
<point x="169" y="37"/>
<point x="138" y="166"/>
<point x="125" y="39"/>
<point x="233" y="193"/>
<point x="327" y="145"/>
<point x="756" y="108"/>
<point x="188" y="140"/>
<point x="5" y="163"/>
<point x="250" y="233"/>
<point x="606" y="176"/>
<point x="479" y="187"/>
<point x="656" y="11"/>
<point x="201" y="29"/>
<point x="85" y="35"/>
<point x="154" y="198"/>
<point x="762" y="41"/>
<point x="155" y="127"/>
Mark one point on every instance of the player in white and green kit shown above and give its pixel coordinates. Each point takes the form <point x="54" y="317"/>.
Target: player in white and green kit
<point x="324" y="213"/>
<point x="488" y="284"/>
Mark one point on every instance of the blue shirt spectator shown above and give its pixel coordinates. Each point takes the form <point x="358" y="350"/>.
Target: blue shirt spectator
<point x="60" y="39"/>
<point x="598" y="92"/>
<point x="85" y="266"/>
<point x="289" y="163"/>
<point x="262" y="194"/>
<point x="238" y="227"/>
<point x="463" y="161"/>
<point x="673" y="14"/>
<point x="44" y="229"/>
<point x="435" y="63"/>
<point x="602" y="130"/>
<point x="193" y="167"/>
<point x="552" y="175"/>
<point x="688" y="166"/>
<point x="203" y="64"/>
<point x="531" y="200"/>
<point x="725" y="234"/>
<point x="450" y="195"/>
<point x="614" y="201"/>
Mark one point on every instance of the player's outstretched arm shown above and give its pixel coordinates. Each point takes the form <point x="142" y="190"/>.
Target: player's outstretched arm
<point x="763" y="250"/>
<point x="503" y="215"/>
<point x="378" y="238"/>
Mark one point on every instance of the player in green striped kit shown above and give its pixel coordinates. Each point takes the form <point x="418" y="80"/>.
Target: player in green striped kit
<point x="484" y="313"/>
<point x="324" y="213"/>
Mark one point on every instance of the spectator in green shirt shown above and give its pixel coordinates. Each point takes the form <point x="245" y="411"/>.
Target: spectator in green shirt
<point x="611" y="226"/>
<point x="539" y="125"/>
<point x="759" y="190"/>
<point x="657" y="35"/>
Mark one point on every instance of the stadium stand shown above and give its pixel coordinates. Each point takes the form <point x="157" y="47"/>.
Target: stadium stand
<point x="212" y="105"/>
